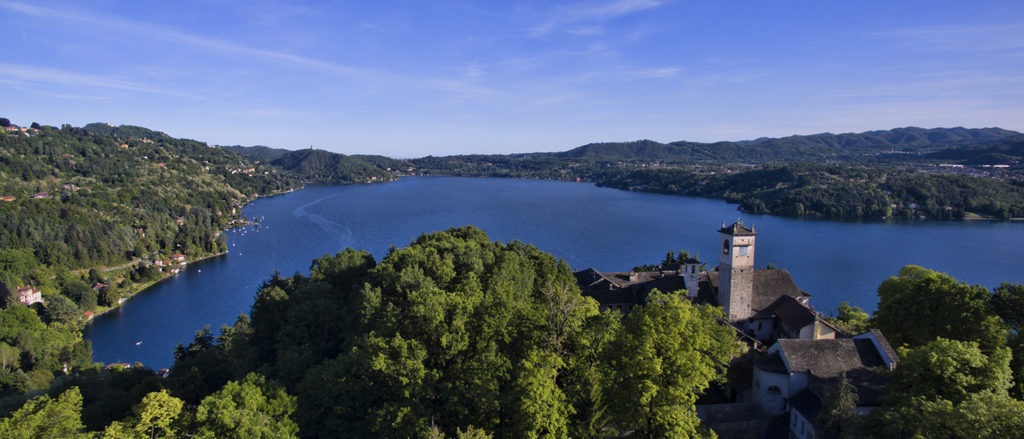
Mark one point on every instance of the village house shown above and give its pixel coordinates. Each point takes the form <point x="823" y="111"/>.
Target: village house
<point x="765" y="305"/>
<point x="797" y="375"/>
<point x="788" y="318"/>
<point x="793" y="379"/>
<point x="622" y="290"/>
<point x="28" y="296"/>
<point x="773" y="392"/>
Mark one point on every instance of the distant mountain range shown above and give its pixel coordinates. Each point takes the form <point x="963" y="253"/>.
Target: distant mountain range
<point x="961" y="145"/>
<point x="1004" y="152"/>
<point x="812" y="148"/>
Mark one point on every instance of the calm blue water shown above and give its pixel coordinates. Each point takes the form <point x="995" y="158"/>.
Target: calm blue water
<point x="587" y="226"/>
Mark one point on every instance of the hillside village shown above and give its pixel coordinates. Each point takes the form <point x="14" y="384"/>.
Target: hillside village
<point x="794" y="357"/>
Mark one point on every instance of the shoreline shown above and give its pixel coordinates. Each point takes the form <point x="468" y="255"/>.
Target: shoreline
<point x="99" y="311"/>
<point x="147" y="286"/>
<point x="834" y="219"/>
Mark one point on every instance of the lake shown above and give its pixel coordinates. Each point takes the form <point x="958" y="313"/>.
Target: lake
<point x="587" y="226"/>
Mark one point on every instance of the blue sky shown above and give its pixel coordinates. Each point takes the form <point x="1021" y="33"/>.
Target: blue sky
<point x="415" y="78"/>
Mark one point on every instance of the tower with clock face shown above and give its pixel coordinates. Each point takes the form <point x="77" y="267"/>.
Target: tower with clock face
<point x="736" y="270"/>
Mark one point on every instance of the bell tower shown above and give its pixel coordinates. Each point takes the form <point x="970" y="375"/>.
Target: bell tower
<point x="736" y="271"/>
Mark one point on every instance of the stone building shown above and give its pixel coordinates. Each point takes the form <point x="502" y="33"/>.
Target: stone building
<point x="736" y="271"/>
<point x="764" y="305"/>
<point x="773" y="392"/>
<point x="28" y="296"/>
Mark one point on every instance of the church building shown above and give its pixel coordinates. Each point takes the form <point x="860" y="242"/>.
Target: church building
<point x="765" y="305"/>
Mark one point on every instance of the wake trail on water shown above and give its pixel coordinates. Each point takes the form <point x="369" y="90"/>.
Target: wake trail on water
<point x="332" y="228"/>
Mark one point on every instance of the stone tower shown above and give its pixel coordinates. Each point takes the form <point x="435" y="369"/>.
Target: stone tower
<point x="736" y="271"/>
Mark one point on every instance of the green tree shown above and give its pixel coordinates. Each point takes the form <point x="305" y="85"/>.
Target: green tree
<point x="74" y="287"/>
<point x="200" y="368"/>
<point x="983" y="415"/>
<point x="154" y="417"/>
<point x="838" y="417"/>
<point x="157" y="414"/>
<point x="852" y="319"/>
<point x="951" y="370"/>
<point x="989" y="415"/>
<point x="436" y="337"/>
<point x="45" y="417"/>
<point x="921" y="305"/>
<point x="540" y="406"/>
<point x="61" y="309"/>
<point x="251" y="408"/>
<point x="586" y="375"/>
<point x="89" y="300"/>
<point x="1008" y="303"/>
<point x="18" y="263"/>
<point x="670" y="258"/>
<point x="10" y="357"/>
<point x="666" y="355"/>
<point x="1016" y="344"/>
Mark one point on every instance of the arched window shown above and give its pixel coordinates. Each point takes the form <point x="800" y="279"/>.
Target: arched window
<point x="774" y="390"/>
<point x="725" y="247"/>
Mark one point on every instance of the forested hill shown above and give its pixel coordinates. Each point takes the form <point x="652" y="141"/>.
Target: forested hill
<point x="81" y="197"/>
<point x="257" y="153"/>
<point x="836" y="191"/>
<point x="319" y="166"/>
<point x="811" y="148"/>
<point x="73" y="199"/>
<point x="1004" y="152"/>
<point x="91" y="215"/>
<point x="942" y="173"/>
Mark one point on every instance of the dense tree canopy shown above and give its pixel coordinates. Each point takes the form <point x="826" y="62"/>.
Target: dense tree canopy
<point x="156" y="416"/>
<point x="950" y="388"/>
<point x="458" y="333"/>
<point x="961" y="369"/>
<point x="951" y="370"/>
<point x="921" y="305"/>
<point x="252" y="408"/>
<point x="667" y="355"/>
<point x="833" y="191"/>
<point x="45" y="417"/>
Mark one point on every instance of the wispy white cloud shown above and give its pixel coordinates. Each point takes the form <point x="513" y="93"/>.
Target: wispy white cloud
<point x="633" y="74"/>
<point x="175" y="35"/>
<point x="590" y="13"/>
<point x="136" y="29"/>
<point x="657" y="73"/>
<point x="931" y="86"/>
<point x="585" y="31"/>
<point x="474" y="70"/>
<point x="273" y="113"/>
<point x="33" y="75"/>
<point x="617" y="8"/>
<point x="975" y="38"/>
